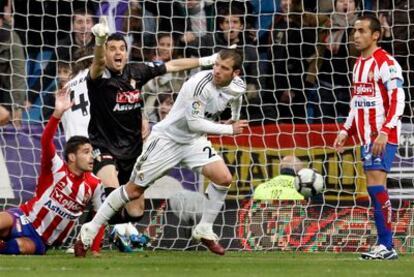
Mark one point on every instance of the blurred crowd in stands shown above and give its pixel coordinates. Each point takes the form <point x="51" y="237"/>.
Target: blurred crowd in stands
<point x="298" y="55"/>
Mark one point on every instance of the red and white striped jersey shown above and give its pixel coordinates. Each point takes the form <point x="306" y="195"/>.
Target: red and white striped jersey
<point x="61" y="196"/>
<point x="377" y="98"/>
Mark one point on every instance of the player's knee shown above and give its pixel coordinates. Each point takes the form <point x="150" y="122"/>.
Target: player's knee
<point x="133" y="191"/>
<point x="136" y="207"/>
<point x="26" y="246"/>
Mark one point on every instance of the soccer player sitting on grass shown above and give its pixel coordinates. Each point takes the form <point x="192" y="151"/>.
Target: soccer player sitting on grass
<point x="181" y="138"/>
<point x="64" y="190"/>
<point x="376" y="107"/>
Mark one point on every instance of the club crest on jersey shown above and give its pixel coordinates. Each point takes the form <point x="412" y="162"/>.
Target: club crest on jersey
<point x="363" y="89"/>
<point x="196" y="108"/>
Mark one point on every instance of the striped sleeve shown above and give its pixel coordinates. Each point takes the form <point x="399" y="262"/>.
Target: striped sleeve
<point x="391" y="76"/>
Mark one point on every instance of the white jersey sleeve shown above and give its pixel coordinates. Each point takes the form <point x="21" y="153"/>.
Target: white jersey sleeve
<point x="75" y="121"/>
<point x="98" y="197"/>
<point x="237" y="88"/>
<point x="198" y="101"/>
<point x="195" y="113"/>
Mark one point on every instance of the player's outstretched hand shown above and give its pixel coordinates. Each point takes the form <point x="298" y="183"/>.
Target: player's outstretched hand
<point x="208" y="61"/>
<point x="101" y="31"/>
<point x="340" y="142"/>
<point x="239" y="126"/>
<point x="62" y="101"/>
<point x="211" y="60"/>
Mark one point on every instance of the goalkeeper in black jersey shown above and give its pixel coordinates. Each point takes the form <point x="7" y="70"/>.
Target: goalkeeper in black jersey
<point x="117" y="127"/>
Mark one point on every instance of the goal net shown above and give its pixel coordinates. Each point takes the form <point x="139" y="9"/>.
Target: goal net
<point x="298" y="58"/>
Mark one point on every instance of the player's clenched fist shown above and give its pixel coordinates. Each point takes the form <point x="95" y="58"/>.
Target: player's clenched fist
<point x="239" y="126"/>
<point x="101" y="31"/>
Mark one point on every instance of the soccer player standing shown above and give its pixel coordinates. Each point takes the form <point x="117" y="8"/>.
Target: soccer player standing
<point x="376" y="107"/>
<point x="75" y="121"/>
<point x="181" y="138"/>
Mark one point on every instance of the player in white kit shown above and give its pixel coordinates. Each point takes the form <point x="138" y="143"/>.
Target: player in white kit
<point x="75" y="121"/>
<point x="181" y="138"/>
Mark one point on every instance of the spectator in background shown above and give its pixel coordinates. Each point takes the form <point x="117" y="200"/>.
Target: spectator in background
<point x="134" y="21"/>
<point x="12" y="68"/>
<point x="80" y="37"/>
<point x="231" y="31"/>
<point x="134" y="28"/>
<point x="115" y="11"/>
<point x="183" y="15"/>
<point x="162" y="107"/>
<point x="42" y="91"/>
<point x="399" y="14"/>
<point x="196" y="17"/>
<point x="164" y="51"/>
<point x="294" y="39"/>
<point x="337" y="57"/>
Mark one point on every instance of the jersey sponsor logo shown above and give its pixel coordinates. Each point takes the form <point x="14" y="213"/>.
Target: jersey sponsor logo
<point x="127" y="100"/>
<point x="363" y="89"/>
<point x="364" y="104"/>
<point x="59" y="211"/>
<point x="66" y="201"/>
<point x="128" y="97"/>
<point x="126" y="107"/>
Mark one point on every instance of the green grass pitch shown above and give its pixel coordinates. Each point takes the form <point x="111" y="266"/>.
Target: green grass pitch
<point x="202" y="263"/>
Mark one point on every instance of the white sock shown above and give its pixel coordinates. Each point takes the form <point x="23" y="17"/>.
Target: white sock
<point x="113" y="203"/>
<point x="216" y="196"/>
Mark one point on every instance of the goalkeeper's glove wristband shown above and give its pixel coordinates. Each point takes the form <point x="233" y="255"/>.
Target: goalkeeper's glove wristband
<point x="208" y="61"/>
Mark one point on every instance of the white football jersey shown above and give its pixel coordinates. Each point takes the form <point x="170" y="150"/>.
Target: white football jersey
<point x="198" y="104"/>
<point x="76" y="120"/>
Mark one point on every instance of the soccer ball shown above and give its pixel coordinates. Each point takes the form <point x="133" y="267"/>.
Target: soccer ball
<point x="308" y="182"/>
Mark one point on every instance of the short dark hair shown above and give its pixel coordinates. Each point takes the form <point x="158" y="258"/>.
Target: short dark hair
<point x="73" y="144"/>
<point x="233" y="54"/>
<point x="82" y="59"/>
<point x="83" y="11"/>
<point x="374" y="23"/>
<point x="233" y="10"/>
<point x="117" y="37"/>
<point x="64" y="64"/>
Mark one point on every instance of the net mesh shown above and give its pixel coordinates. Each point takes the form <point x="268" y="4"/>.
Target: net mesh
<point x="297" y="63"/>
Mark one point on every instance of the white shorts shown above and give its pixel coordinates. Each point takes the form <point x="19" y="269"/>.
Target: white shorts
<point x="160" y="154"/>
